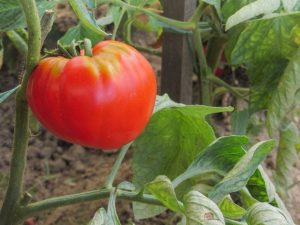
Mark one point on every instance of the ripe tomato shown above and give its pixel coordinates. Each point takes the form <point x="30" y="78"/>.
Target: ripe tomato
<point x="103" y="101"/>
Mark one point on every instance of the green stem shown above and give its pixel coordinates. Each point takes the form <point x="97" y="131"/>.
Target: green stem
<point x="116" y="166"/>
<point x="233" y="222"/>
<point x="204" y="69"/>
<point x="117" y="24"/>
<point x="87" y="44"/>
<point x="222" y="83"/>
<point x="244" y="92"/>
<point x="47" y="23"/>
<point x="214" y="52"/>
<point x="127" y="36"/>
<point x="18" y="163"/>
<point x="198" y="12"/>
<point x="84" y="16"/>
<point x="181" y="25"/>
<point x="9" y="214"/>
<point x="198" y="43"/>
<point x="246" y="198"/>
<point x="34" y="39"/>
<point x="18" y="42"/>
<point x="55" y="202"/>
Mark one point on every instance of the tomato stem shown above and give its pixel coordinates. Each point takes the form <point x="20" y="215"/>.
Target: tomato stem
<point x="9" y="214"/>
<point x="116" y="166"/>
<point x="18" y="41"/>
<point x="117" y="23"/>
<point x="181" y="25"/>
<point x="55" y="202"/>
<point x="87" y="45"/>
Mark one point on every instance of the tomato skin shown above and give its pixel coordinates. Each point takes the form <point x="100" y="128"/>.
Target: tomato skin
<point x="104" y="101"/>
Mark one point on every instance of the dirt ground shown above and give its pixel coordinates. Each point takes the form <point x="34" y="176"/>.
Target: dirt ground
<point x="55" y="167"/>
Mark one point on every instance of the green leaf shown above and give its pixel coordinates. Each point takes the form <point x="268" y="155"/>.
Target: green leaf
<point x="165" y="148"/>
<point x="170" y="142"/>
<point x="86" y="19"/>
<point x="255" y="43"/>
<point x="163" y="190"/>
<point x="264" y="80"/>
<point x="164" y="101"/>
<point x="219" y="157"/>
<point x="11" y="13"/>
<point x="286" y="158"/>
<point x="252" y="10"/>
<point x="289" y="5"/>
<point x="217" y="5"/>
<point x="240" y="121"/>
<point x="91" y="3"/>
<point x="99" y="217"/>
<point x="265" y="214"/>
<point x="201" y="210"/>
<point x="106" y="20"/>
<point x="232" y="6"/>
<point x="126" y="185"/>
<point x="283" y="98"/>
<point x="230" y="209"/>
<point x="238" y="177"/>
<point x="5" y="95"/>
<point x="143" y="211"/>
<point x="112" y="216"/>
<point x="246" y="198"/>
<point x="80" y="32"/>
<point x="18" y="41"/>
<point x="261" y="188"/>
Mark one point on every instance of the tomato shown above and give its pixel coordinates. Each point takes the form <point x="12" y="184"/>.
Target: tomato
<point x="29" y="221"/>
<point x="103" y="101"/>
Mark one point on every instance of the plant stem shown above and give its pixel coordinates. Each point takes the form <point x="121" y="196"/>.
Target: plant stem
<point x="222" y="83"/>
<point x="127" y="36"/>
<point x="233" y="222"/>
<point x="83" y="15"/>
<point x="18" y="163"/>
<point x="181" y="25"/>
<point x="214" y="52"/>
<point x="117" y="24"/>
<point x="55" y="202"/>
<point x="116" y="166"/>
<point x="87" y="46"/>
<point x="237" y="92"/>
<point x="246" y="198"/>
<point x="18" y="42"/>
<point x="46" y="24"/>
<point x="204" y="70"/>
<point x="9" y="214"/>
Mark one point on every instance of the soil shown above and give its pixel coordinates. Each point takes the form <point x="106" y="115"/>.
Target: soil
<point x="55" y="167"/>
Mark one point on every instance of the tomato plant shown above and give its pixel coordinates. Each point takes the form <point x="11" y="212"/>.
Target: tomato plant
<point x="103" y="101"/>
<point x="105" y="97"/>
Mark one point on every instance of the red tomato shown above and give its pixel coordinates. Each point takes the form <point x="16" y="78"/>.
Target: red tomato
<point x="29" y="221"/>
<point x="103" y="101"/>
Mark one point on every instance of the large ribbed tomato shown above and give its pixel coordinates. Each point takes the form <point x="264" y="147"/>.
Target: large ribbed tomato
<point x="103" y="101"/>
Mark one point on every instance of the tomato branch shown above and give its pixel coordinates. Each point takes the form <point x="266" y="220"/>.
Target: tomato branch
<point x="128" y="40"/>
<point x="235" y="91"/>
<point x="181" y="25"/>
<point x="116" y="166"/>
<point x="56" y="202"/>
<point x="13" y="199"/>
<point x="18" y="42"/>
<point x="204" y="69"/>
